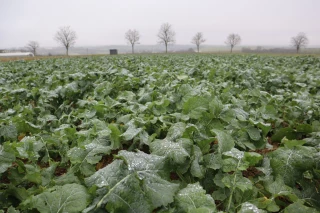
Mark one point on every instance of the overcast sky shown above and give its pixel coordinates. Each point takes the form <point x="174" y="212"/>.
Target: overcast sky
<point x="104" y="22"/>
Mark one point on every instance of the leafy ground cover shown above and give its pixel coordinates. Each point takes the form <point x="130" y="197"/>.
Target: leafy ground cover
<point x="160" y="134"/>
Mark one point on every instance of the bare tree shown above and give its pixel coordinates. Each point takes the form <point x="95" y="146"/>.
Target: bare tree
<point x="166" y="35"/>
<point x="299" y="41"/>
<point x="197" y="40"/>
<point x="133" y="37"/>
<point x="66" y="36"/>
<point x="33" y="46"/>
<point x="233" y="40"/>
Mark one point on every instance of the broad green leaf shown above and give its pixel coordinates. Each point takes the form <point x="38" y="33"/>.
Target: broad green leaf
<point x="193" y="197"/>
<point x="195" y="106"/>
<point x="140" y="161"/>
<point x="66" y="198"/>
<point x="292" y="143"/>
<point x="225" y="141"/>
<point x="126" y="196"/>
<point x="115" y="136"/>
<point x="6" y="159"/>
<point x="254" y="133"/>
<point x="287" y="132"/>
<point x="304" y="128"/>
<point x="131" y="132"/>
<point x="175" y="152"/>
<point x="196" y="169"/>
<point x="29" y="147"/>
<point x="297" y="207"/>
<point x="11" y="209"/>
<point x="250" y="208"/>
<point x="278" y="188"/>
<point x="9" y="132"/>
<point x="238" y="181"/>
<point x="109" y="175"/>
<point x="291" y="163"/>
<point x="252" y="157"/>
<point x="159" y="191"/>
<point x="90" y="153"/>
<point x="213" y="161"/>
<point x="176" y="131"/>
<point x="135" y="184"/>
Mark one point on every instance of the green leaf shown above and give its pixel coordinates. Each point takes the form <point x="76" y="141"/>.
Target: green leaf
<point x="176" y="131"/>
<point x="135" y="183"/>
<point x="225" y="141"/>
<point x="115" y="136"/>
<point x="195" y="106"/>
<point x="215" y="107"/>
<point x="11" y="209"/>
<point x="9" y="132"/>
<point x="278" y="188"/>
<point x="292" y="143"/>
<point x="238" y="181"/>
<point x="291" y="163"/>
<point x="159" y="191"/>
<point x="250" y="208"/>
<point x="175" y="152"/>
<point x="6" y="159"/>
<point x="197" y="170"/>
<point x="193" y="197"/>
<point x="252" y="157"/>
<point x="88" y="154"/>
<point x="213" y="161"/>
<point x="253" y="133"/>
<point x="29" y="147"/>
<point x="66" y="198"/>
<point x="140" y="161"/>
<point x="131" y="132"/>
<point x="287" y="132"/>
<point x="127" y="196"/>
<point x="109" y="175"/>
<point x="298" y="207"/>
<point x="304" y="128"/>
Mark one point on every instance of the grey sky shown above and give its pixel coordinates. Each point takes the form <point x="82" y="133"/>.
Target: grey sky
<point x="104" y="22"/>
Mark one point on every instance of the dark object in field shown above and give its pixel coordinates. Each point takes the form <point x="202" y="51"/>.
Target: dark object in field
<point x="113" y="52"/>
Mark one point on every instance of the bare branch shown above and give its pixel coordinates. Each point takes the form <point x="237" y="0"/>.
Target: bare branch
<point x="166" y="35"/>
<point x="197" y="40"/>
<point x="233" y="40"/>
<point x="133" y="37"/>
<point x="33" y="46"/>
<point x="299" y="41"/>
<point x="66" y="37"/>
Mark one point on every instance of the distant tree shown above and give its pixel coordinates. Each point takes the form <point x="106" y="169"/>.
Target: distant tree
<point x="33" y="46"/>
<point x="166" y="35"/>
<point x="66" y="37"/>
<point x="133" y="37"/>
<point x="197" y="40"/>
<point x="233" y="40"/>
<point x="299" y="41"/>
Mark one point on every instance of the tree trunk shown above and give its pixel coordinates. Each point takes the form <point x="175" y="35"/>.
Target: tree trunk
<point x="132" y="48"/>
<point x="231" y="49"/>
<point x="166" y="47"/>
<point x="67" y="50"/>
<point x="198" y="47"/>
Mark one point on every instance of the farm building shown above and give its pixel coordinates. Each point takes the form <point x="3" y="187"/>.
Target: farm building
<point x="17" y="54"/>
<point x="113" y="51"/>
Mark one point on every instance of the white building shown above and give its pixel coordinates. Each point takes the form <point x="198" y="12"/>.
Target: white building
<point x="17" y="54"/>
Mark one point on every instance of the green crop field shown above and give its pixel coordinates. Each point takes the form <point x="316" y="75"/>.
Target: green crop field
<point x="162" y="133"/>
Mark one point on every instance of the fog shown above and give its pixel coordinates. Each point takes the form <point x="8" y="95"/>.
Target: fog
<point x="98" y="22"/>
